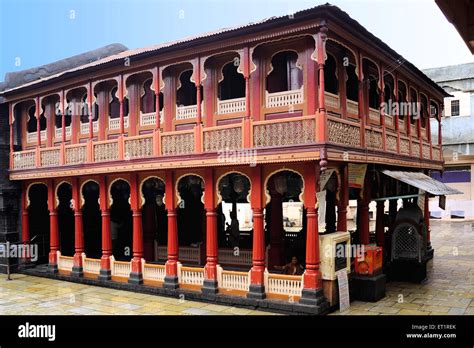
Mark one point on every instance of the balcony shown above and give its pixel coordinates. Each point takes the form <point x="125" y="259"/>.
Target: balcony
<point x="58" y="132"/>
<point x="231" y="106"/>
<point x="114" y="123"/>
<point x="85" y="127"/>
<point x="285" y="98"/>
<point x="149" y="119"/>
<point x="33" y="136"/>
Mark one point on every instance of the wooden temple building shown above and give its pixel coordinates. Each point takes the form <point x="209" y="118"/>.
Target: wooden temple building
<point x="194" y="166"/>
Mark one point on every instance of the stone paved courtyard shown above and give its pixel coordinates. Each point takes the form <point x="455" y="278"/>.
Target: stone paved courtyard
<point x="448" y="290"/>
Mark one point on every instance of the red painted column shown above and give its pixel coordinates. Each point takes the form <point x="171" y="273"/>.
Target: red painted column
<point x="25" y="222"/>
<point x="53" y="229"/>
<point x="136" y="276"/>
<point x="321" y="116"/>
<point x="257" y="286"/>
<point x="77" y="269"/>
<point x="210" y="270"/>
<point x="171" y="278"/>
<point x="247" y="123"/>
<point x="379" y="225"/>
<point x="198" y="128"/>
<point x="312" y="293"/>
<point x="11" y="120"/>
<point x="106" y="235"/>
<point x="363" y="206"/>
<point x="343" y="201"/>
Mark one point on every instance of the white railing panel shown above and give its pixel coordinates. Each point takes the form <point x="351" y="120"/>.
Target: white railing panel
<point x="278" y="99"/>
<point x="230" y="106"/>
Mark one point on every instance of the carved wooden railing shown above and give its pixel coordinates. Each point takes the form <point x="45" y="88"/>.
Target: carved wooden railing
<point x="24" y="159"/>
<point x="374" y="115"/>
<point x="91" y="266"/>
<point x="230" y="257"/>
<point x="230" y="106"/>
<point x="65" y="263"/>
<point x="105" y="150"/>
<point x="120" y="269"/>
<point x="114" y="123"/>
<point x="389" y="121"/>
<point x="49" y="157"/>
<point x="344" y="132"/>
<point x="85" y="127"/>
<point x="58" y="132"/>
<point x="415" y="148"/>
<point x="332" y="100"/>
<point x="140" y="146"/>
<point x="287" y="131"/>
<point x="177" y="143"/>
<point x="222" y="138"/>
<point x="285" y="98"/>
<point x="404" y="146"/>
<point x="193" y="277"/>
<point x="75" y="154"/>
<point x="391" y="142"/>
<point x="187" y="112"/>
<point x="283" y="285"/>
<point x="152" y="272"/>
<point x="33" y="136"/>
<point x="352" y="108"/>
<point x="149" y="118"/>
<point x="373" y="138"/>
<point x="232" y="280"/>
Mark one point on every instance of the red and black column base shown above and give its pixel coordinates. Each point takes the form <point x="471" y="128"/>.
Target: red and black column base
<point x="77" y="271"/>
<point x="135" y="278"/>
<point x="209" y="287"/>
<point x="314" y="298"/>
<point x="171" y="282"/>
<point x="105" y="274"/>
<point x="256" y="292"/>
<point x="53" y="268"/>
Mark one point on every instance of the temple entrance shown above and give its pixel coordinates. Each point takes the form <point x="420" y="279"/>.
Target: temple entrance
<point x="65" y="219"/>
<point x="121" y="226"/>
<point x="234" y="221"/>
<point x="91" y="220"/>
<point x="191" y="213"/>
<point x="154" y="218"/>
<point x="285" y="220"/>
<point x="38" y="215"/>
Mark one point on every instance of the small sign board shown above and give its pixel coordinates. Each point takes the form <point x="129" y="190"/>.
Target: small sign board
<point x="442" y="202"/>
<point x="357" y="175"/>
<point x="324" y="178"/>
<point x="343" y="284"/>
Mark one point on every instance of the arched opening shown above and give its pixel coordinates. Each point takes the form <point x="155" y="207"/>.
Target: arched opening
<point x="190" y="212"/>
<point x="285" y="225"/>
<point x="58" y="120"/>
<point x="148" y="98"/>
<point x="91" y="220"/>
<point x="43" y="121"/>
<point x="232" y="85"/>
<point x="114" y="104"/>
<point x="32" y="125"/>
<point x="38" y="220"/>
<point x="154" y="218"/>
<point x="389" y="84"/>
<point x="371" y="84"/>
<point x="352" y="83"/>
<point x="285" y="74"/>
<point x="402" y="105"/>
<point x="85" y="110"/>
<point x="423" y="110"/>
<point x="331" y="83"/>
<point x="186" y="94"/>
<point x="65" y="219"/>
<point x="121" y="225"/>
<point x="234" y="216"/>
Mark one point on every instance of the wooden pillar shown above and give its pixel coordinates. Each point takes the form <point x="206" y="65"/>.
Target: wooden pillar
<point x="120" y="89"/>
<point x="257" y="286"/>
<point x="381" y="101"/>
<point x="312" y="293"/>
<point x="379" y="224"/>
<point x="198" y="128"/>
<point x="361" y="100"/>
<point x="38" y="124"/>
<point x="50" y="127"/>
<point x="11" y="119"/>
<point x="363" y="208"/>
<point x="247" y="123"/>
<point x="157" y="132"/>
<point x="343" y="200"/>
<point x="321" y="117"/>
<point x="77" y="269"/>
<point x="136" y="276"/>
<point x="171" y="278"/>
<point x="53" y="228"/>
<point x="25" y="222"/>
<point x="105" y="273"/>
<point x="210" y="270"/>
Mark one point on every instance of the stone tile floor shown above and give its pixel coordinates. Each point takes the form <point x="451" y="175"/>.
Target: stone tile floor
<point x="448" y="290"/>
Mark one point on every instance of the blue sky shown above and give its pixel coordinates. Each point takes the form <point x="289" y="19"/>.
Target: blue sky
<point x="36" y="32"/>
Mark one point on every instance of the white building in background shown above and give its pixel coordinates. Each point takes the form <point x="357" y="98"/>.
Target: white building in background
<point x="458" y="136"/>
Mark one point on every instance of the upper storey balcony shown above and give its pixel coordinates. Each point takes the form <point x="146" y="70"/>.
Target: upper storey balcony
<point x="273" y="97"/>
